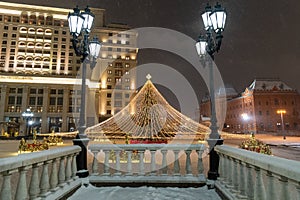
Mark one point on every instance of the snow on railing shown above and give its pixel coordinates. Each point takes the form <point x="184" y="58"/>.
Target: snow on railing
<point x="50" y="174"/>
<point x="147" y="163"/>
<point x="250" y="175"/>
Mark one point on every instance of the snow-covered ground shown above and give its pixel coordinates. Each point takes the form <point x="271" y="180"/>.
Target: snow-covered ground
<point x="143" y="193"/>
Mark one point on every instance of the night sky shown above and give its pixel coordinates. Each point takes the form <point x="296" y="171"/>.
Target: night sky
<point x="261" y="38"/>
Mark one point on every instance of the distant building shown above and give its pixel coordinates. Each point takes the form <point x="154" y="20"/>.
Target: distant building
<point x="205" y="110"/>
<point x="255" y="109"/>
<point x="39" y="69"/>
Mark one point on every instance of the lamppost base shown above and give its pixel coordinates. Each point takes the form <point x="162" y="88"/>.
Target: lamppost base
<point x="214" y="159"/>
<point x="81" y="159"/>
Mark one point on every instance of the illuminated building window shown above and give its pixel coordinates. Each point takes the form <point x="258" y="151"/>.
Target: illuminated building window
<point x="108" y="79"/>
<point x="127" y="80"/>
<point x="118" y="80"/>
<point x="119" y="64"/>
<point x="109" y="71"/>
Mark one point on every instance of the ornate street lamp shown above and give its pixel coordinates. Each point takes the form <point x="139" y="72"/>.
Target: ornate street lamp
<point x="281" y="112"/>
<point x="80" y="24"/>
<point x="27" y="115"/>
<point x="214" y="23"/>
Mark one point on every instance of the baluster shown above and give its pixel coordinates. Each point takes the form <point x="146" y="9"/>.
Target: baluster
<point x="153" y="162"/>
<point x="164" y="162"/>
<point x="249" y="182"/>
<point x="61" y="173"/>
<point x="176" y="163"/>
<point x="74" y="167"/>
<point x="129" y="164"/>
<point x="200" y="163"/>
<point x="118" y="167"/>
<point x="188" y="165"/>
<point x="230" y="173"/>
<point x="34" y="189"/>
<point x="271" y="191"/>
<point x="298" y="189"/>
<point x="259" y="189"/>
<point x="54" y="175"/>
<point x="141" y="162"/>
<point x="221" y="167"/>
<point x="241" y="185"/>
<point x="225" y="176"/>
<point x="6" y="187"/>
<point x="68" y="169"/>
<point x="235" y="175"/>
<point x="285" y="192"/>
<point x="95" y="163"/>
<point x="21" y="192"/>
<point x="44" y="184"/>
<point x="106" y="162"/>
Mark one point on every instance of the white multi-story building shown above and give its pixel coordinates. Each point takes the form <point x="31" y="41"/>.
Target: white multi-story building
<point x="39" y="69"/>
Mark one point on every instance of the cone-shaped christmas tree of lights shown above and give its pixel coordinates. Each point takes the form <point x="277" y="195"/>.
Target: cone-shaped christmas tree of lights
<point x="148" y="116"/>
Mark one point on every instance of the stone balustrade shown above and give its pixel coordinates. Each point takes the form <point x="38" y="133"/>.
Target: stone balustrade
<point x="147" y="164"/>
<point x="249" y="175"/>
<point x="49" y="174"/>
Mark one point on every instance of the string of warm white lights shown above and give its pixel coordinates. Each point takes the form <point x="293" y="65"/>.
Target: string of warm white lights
<point x="148" y="116"/>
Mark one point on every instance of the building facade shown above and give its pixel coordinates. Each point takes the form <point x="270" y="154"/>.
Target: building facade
<point x="39" y="69"/>
<point x="257" y="109"/>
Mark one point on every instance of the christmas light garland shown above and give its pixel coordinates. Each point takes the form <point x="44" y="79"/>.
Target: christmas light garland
<point x="148" y="116"/>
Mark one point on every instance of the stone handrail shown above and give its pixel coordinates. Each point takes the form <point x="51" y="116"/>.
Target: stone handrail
<point x="250" y="175"/>
<point x="49" y="173"/>
<point x="140" y="163"/>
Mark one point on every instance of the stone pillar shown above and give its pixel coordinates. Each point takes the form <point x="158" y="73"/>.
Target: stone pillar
<point x="24" y="106"/>
<point x="3" y="102"/>
<point x="45" y="124"/>
<point x="64" y="126"/>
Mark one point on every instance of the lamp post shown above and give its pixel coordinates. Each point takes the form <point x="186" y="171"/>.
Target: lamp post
<point x="80" y="24"/>
<point x="214" y="23"/>
<point x="281" y="112"/>
<point x="27" y="115"/>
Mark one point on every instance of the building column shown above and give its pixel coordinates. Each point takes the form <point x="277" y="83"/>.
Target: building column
<point x="3" y="101"/>
<point x="45" y="124"/>
<point x="24" y="106"/>
<point x="64" y="125"/>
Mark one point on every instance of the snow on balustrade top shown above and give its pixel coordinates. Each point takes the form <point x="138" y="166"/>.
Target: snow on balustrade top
<point x="148" y="115"/>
